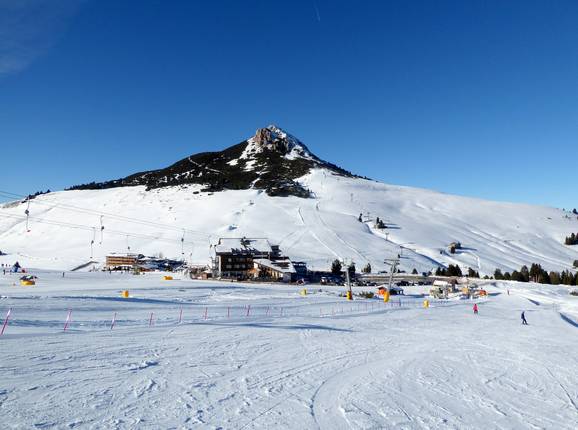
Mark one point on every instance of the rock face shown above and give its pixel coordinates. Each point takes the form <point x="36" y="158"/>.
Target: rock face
<point x="263" y="136"/>
<point x="272" y="161"/>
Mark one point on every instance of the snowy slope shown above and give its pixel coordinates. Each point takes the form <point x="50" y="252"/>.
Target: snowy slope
<point x="317" y="230"/>
<point x="288" y="362"/>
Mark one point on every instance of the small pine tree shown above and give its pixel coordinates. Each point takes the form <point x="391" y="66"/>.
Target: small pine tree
<point x="414" y="271"/>
<point x="336" y="267"/>
<point x="575" y="264"/>
<point x="498" y="275"/>
<point x="544" y="278"/>
<point x="525" y="274"/>
<point x="554" y="278"/>
<point x="351" y="270"/>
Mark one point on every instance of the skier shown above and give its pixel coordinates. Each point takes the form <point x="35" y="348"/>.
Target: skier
<point x="524" y="322"/>
<point x="475" y="308"/>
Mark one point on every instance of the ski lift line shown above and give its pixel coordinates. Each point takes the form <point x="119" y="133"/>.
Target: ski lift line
<point x="100" y="213"/>
<point x="88" y="228"/>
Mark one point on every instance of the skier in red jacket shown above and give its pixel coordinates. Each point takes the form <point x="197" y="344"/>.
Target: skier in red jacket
<point x="476" y="308"/>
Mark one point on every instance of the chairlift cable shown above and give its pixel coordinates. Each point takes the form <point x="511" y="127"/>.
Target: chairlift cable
<point x="110" y="215"/>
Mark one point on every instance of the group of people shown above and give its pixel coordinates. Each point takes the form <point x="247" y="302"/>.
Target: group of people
<point x="523" y="316"/>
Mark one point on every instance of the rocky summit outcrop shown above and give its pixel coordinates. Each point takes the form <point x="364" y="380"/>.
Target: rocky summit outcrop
<point x="272" y="160"/>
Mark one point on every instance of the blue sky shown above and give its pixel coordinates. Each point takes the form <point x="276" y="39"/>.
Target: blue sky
<point x="477" y="98"/>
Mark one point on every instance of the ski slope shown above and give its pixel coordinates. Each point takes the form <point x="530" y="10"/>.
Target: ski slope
<point x="288" y="361"/>
<point x="421" y="223"/>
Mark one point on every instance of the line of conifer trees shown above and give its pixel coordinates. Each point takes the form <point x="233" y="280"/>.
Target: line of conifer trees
<point x="537" y="274"/>
<point x="571" y="240"/>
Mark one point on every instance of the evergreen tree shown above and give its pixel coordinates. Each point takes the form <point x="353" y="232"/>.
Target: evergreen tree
<point x="554" y="278"/>
<point x="517" y="276"/>
<point x="472" y="273"/>
<point x="454" y="270"/>
<point x="525" y="274"/>
<point x="575" y="264"/>
<point x="351" y="270"/>
<point x="366" y="268"/>
<point x="498" y="275"/>
<point x="414" y="271"/>
<point x="535" y="271"/>
<point x="571" y="240"/>
<point x="507" y="276"/>
<point x="336" y="267"/>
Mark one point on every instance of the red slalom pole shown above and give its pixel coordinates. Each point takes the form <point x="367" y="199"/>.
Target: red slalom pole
<point x="181" y="315"/>
<point x="6" y="321"/>
<point x="113" y="321"/>
<point x="67" y="320"/>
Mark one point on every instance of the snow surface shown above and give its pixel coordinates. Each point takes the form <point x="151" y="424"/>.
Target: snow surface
<point x="421" y="225"/>
<point x="288" y="361"/>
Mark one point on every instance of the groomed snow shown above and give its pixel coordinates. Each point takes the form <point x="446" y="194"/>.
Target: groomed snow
<point x="288" y="361"/>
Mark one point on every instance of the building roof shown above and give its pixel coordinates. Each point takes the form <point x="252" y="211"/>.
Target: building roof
<point x="242" y="245"/>
<point x="122" y="255"/>
<point x="282" y="266"/>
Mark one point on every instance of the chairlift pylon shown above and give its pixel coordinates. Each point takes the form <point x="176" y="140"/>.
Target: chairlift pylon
<point x="92" y="241"/>
<point x="27" y="212"/>
<point x="101" y="229"/>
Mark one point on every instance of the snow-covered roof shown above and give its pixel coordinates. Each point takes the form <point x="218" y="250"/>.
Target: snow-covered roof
<point x="284" y="266"/>
<point x="243" y="245"/>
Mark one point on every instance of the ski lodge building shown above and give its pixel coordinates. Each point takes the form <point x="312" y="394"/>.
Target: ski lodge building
<point x="121" y="261"/>
<point x="252" y="258"/>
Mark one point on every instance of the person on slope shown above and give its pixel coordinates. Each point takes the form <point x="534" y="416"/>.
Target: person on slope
<point x="524" y="322"/>
<point x="475" y="308"/>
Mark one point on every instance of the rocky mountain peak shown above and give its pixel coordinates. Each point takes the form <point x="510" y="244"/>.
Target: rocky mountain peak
<point x="275" y="139"/>
<point x="272" y="160"/>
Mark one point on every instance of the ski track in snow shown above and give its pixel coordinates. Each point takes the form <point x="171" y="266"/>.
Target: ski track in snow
<point x="325" y="364"/>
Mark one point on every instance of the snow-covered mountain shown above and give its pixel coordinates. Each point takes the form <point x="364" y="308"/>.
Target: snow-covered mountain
<point x="272" y="161"/>
<point x="273" y="186"/>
